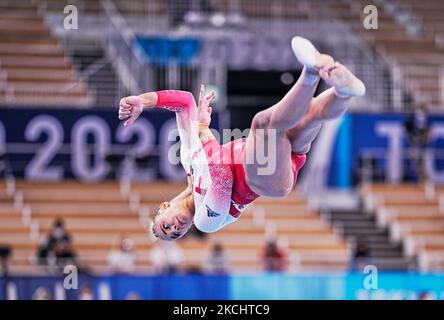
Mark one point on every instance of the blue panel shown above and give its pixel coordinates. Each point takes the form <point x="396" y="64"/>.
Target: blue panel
<point x="161" y="50"/>
<point x="267" y="286"/>
<point x="2" y="289"/>
<point x="341" y="166"/>
<point x="176" y="287"/>
<point x="167" y="287"/>
<point x="271" y="286"/>
<point x="358" y="133"/>
<point x="16" y="121"/>
<point x="396" y="286"/>
<point x="335" y="286"/>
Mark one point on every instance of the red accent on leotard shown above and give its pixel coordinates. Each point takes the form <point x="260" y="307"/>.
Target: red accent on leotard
<point x="198" y="189"/>
<point x="241" y="192"/>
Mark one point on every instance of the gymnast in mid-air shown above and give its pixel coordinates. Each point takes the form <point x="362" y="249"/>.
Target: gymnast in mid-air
<point x="224" y="179"/>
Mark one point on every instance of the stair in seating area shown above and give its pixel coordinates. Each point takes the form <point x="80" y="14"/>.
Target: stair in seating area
<point x="104" y="81"/>
<point x="12" y="229"/>
<point x="359" y="226"/>
<point x="414" y="215"/>
<point x="34" y="69"/>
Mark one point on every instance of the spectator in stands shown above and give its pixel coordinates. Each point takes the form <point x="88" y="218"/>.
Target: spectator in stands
<point x="273" y="257"/>
<point x="86" y="293"/>
<point x="418" y="135"/>
<point x="166" y="257"/>
<point x="57" y="250"/>
<point x="133" y="295"/>
<point x="361" y="255"/>
<point x="41" y="293"/>
<point x="216" y="261"/>
<point x="58" y="231"/>
<point x="59" y="243"/>
<point x="5" y="253"/>
<point x="64" y="252"/>
<point x="426" y="295"/>
<point x="123" y="260"/>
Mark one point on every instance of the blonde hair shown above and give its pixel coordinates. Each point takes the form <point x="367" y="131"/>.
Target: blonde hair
<point x="151" y="230"/>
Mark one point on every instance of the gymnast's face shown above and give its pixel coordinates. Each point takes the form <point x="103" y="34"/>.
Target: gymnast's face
<point x="171" y="221"/>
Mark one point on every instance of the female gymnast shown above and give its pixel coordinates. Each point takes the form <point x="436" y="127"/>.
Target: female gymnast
<point x="224" y="179"/>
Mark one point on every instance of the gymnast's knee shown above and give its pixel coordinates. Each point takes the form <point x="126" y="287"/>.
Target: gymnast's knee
<point x="280" y="190"/>
<point x="269" y="189"/>
<point x="267" y="119"/>
<point x="261" y="120"/>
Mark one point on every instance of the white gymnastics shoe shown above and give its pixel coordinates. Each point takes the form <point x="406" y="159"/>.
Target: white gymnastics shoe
<point x="304" y="51"/>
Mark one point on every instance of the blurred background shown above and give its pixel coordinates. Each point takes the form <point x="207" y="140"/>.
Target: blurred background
<point x="78" y="190"/>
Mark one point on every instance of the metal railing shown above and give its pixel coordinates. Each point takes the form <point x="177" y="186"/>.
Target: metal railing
<point x="139" y="74"/>
<point x="417" y="84"/>
<point x="389" y="86"/>
<point x="255" y="20"/>
<point x="129" y="65"/>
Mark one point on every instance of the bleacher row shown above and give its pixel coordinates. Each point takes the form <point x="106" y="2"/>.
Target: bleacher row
<point x="97" y="215"/>
<point x="415" y="216"/>
<point x="34" y="69"/>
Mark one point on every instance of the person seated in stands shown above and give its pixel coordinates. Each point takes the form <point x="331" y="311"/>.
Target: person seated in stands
<point x="133" y="295"/>
<point x="57" y="250"/>
<point x="123" y="260"/>
<point x="58" y="231"/>
<point x="418" y="135"/>
<point x="64" y="252"/>
<point x="41" y="293"/>
<point x="5" y="253"/>
<point x="86" y="293"/>
<point x="166" y="257"/>
<point x="273" y="257"/>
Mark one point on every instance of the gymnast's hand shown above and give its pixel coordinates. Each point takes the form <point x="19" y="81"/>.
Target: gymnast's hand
<point x="204" y="108"/>
<point x="130" y="108"/>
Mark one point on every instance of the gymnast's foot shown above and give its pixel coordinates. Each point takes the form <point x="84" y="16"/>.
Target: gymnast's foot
<point x="309" y="56"/>
<point x="335" y="74"/>
<point x="311" y="59"/>
<point x="345" y="82"/>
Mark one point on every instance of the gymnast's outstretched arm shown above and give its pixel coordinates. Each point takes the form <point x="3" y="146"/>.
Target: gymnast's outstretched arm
<point x="182" y="103"/>
<point x="193" y="125"/>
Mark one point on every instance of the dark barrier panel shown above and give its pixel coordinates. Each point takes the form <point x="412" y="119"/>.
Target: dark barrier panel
<point x="89" y="145"/>
<point x="167" y="287"/>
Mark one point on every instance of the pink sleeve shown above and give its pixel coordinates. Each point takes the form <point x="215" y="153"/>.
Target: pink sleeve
<point x="175" y="100"/>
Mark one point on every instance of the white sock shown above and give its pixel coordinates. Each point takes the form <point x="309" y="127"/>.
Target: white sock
<point x="341" y="95"/>
<point x="309" y="78"/>
<point x="355" y="89"/>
